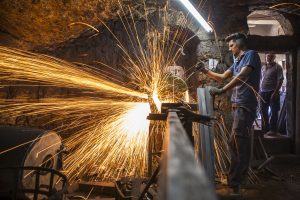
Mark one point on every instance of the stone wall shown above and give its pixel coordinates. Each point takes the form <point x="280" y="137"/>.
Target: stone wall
<point x="34" y="23"/>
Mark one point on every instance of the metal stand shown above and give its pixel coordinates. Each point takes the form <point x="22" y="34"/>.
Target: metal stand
<point x="268" y="159"/>
<point x="149" y="183"/>
<point x="186" y="116"/>
<point x="178" y="160"/>
<point x="19" y="191"/>
<point x="181" y="176"/>
<point x="178" y="149"/>
<point x="206" y="107"/>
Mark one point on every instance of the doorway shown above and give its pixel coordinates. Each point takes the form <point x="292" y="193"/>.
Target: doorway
<point x="270" y="23"/>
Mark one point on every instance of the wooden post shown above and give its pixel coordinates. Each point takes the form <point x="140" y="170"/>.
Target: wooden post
<point x="297" y="120"/>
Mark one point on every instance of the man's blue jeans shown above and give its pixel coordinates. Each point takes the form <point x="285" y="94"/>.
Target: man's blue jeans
<point x="239" y="145"/>
<point x="269" y="124"/>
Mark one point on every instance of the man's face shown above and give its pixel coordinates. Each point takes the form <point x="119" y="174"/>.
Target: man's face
<point x="270" y="58"/>
<point x="234" y="48"/>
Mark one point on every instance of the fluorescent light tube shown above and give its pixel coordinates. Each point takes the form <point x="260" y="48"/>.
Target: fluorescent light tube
<point x="196" y="14"/>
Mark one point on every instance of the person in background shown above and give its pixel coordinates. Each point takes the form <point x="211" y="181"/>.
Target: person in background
<point x="271" y="81"/>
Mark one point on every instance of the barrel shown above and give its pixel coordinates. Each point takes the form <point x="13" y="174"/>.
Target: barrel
<point x="27" y="147"/>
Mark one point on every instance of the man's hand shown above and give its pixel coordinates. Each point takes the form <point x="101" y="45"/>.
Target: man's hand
<point x="275" y="95"/>
<point x="201" y="67"/>
<point x="216" y="91"/>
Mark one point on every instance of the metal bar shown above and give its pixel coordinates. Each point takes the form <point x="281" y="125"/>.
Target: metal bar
<point x="150" y="150"/>
<point x="297" y="107"/>
<point x="166" y="106"/>
<point x="51" y="183"/>
<point x="37" y="184"/>
<point x="206" y="133"/>
<point x="181" y="176"/>
<point x="260" y="140"/>
<point x="154" y="110"/>
<point x="16" y="177"/>
<point x="276" y="44"/>
<point x="149" y="183"/>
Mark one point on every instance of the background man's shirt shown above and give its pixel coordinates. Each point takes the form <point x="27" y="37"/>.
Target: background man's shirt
<point x="271" y="74"/>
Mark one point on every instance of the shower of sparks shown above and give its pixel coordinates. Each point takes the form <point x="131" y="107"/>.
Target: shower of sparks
<point x="85" y="24"/>
<point x="121" y="144"/>
<point x="105" y="125"/>
<point x="31" y="68"/>
<point x="106" y="135"/>
<point x="285" y="4"/>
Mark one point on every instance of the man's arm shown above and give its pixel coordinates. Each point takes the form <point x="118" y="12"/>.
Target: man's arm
<point x="276" y="91"/>
<point x="239" y="79"/>
<point x="279" y="82"/>
<point x="219" y="77"/>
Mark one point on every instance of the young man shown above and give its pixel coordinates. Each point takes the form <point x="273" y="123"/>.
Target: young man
<point x="245" y="71"/>
<point x="271" y="81"/>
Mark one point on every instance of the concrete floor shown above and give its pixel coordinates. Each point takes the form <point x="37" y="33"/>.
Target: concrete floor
<point x="269" y="188"/>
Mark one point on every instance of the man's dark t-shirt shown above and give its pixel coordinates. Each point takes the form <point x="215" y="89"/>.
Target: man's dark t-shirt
<point x="243" y="95"/>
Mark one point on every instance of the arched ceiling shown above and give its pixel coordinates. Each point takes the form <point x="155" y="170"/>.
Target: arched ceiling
<point x="30" y="23"/>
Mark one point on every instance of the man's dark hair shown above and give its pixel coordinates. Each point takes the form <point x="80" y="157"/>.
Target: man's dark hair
<point x="239" y="38"/>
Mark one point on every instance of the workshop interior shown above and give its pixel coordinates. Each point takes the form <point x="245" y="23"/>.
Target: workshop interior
<point x="149" y="99"/>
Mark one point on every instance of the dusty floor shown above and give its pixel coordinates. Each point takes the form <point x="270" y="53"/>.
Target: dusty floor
<point x="270" y="188"/>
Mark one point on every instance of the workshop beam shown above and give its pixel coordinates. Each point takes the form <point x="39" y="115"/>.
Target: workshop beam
<point x="276" y="44"/>
<point x="181" y="175"/>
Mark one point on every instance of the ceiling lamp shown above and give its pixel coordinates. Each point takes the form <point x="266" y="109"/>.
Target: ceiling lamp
<point x="196" y="14"/>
